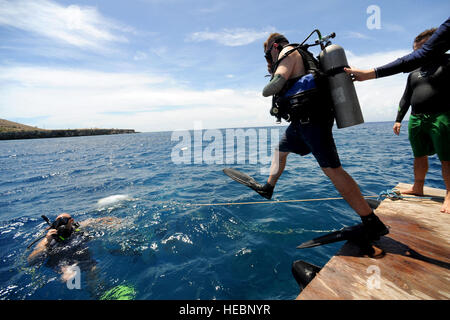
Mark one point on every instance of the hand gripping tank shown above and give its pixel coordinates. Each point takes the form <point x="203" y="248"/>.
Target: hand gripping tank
<point x="346" y="104"/>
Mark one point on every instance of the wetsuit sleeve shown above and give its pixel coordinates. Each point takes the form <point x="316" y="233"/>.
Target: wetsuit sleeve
<point x="275" y="85"/>
<point x="438" y="44"/>
<point x="405" y="101"/>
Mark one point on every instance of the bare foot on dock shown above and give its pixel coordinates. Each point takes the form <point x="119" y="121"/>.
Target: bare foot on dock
<point x="446" y="206"/>
<point x="412" y="191"/>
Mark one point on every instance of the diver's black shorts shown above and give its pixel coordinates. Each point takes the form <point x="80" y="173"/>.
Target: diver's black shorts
<point x="311" y="138"/>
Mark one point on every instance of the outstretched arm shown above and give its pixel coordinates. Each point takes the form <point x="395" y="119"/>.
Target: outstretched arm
<point x="105" y="221"/>
<point x="437" y="45"/>
<point x="361" y="75"/>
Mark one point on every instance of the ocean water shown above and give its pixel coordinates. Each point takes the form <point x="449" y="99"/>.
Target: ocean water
<point x="161" y="242"/>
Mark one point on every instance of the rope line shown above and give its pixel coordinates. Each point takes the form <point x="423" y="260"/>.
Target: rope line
<point x="393" y="194"/>
<point x="267" y="202"/>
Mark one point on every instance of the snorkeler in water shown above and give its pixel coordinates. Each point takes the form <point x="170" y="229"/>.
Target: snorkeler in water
<point x="65" y="245"/>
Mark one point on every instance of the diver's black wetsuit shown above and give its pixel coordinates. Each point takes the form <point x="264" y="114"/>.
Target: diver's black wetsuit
<point x="427" y="89"/>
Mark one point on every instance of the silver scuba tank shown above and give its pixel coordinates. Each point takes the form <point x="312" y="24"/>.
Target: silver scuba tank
<point x="346" y="105"/>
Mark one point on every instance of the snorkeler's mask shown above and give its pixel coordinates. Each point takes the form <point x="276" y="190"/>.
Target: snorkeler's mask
<point x="62" y="231"/>
<point x="60" y="225"/>
<point x="60" y="222"/>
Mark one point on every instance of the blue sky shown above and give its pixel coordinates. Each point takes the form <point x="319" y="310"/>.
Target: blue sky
<point x="157" y="65"/>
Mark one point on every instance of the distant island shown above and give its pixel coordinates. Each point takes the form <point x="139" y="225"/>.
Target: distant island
<point x="10" y="130"/>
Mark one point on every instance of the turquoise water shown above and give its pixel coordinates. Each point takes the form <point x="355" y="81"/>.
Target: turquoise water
<point x="161" y="243"/>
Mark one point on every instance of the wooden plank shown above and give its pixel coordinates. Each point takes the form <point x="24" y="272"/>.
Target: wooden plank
<point x="417" y="261"/>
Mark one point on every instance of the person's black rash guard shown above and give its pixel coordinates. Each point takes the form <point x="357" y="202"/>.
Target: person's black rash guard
<point x="438" y="44"/>
<point x="427" y="89"/>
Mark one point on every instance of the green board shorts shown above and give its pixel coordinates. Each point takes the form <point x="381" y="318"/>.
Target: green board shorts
<point x="430" y="134"/>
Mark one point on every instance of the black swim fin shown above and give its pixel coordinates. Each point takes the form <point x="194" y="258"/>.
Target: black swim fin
<point x="304" y="272"/>
<point x="354" y="233"/>
<point x="265" y="191"/>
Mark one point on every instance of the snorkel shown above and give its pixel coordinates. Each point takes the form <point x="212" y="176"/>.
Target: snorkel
<point x="46" y="220"/>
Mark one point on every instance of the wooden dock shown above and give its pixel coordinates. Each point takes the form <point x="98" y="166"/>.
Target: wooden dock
<point x="416" y="264"/>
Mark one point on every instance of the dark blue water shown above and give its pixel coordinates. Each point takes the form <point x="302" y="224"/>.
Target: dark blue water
<point x="164" y="247"/>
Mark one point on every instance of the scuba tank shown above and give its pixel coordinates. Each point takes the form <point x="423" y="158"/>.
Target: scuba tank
<point x="346" y="105"/>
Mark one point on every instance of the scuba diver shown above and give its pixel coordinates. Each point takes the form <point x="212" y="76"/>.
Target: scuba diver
<point x="310" y="130"/>
<point x="429" y="123"/>
<point x="437" y="44"/>
<point x="64" y="245"/>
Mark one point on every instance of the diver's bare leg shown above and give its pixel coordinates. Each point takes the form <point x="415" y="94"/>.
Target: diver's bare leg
<point x="277" y="166"/>
<point x="420" y="171"/>
<point x="349" y="190"/>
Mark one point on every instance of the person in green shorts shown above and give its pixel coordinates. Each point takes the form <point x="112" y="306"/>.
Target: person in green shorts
<point x="429" y="124"/>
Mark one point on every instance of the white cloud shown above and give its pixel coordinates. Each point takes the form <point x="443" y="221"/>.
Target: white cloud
<point x="356" y="35"/>
<point x="140" y="56"/>
<point x="63" y="79"/>
<point x="379" y="99"/>
<point x="392" y="27"/>
<point x="231" y="37"/>
<point x="213" y="8"/>
<point x="374" y="59"/>
<point x="69" y="98"/>
<point x="82" y="27"/>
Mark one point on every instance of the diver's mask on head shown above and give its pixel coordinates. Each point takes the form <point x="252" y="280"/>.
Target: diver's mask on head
<point x="275" y="44"/>
<point x="60" y="225"/>
<point x="60" y="222"/>
<point x="268" y="55"/>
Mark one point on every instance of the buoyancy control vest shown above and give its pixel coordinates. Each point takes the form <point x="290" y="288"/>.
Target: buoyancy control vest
<point x="306" y="97"/>
<point x="329" y="90"/>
